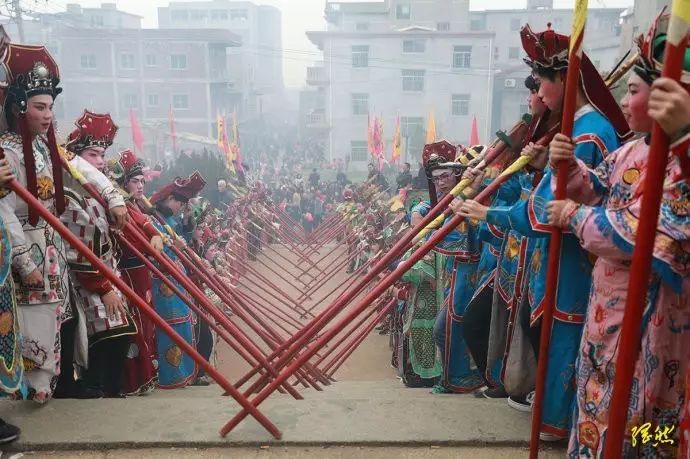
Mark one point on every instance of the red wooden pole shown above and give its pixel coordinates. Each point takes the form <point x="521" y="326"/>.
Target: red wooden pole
<point x="74" y="241"/>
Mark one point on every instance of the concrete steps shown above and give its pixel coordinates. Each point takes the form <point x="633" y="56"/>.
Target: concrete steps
<point x="371" y="413"/>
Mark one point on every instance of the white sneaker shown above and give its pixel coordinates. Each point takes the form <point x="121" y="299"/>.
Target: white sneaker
<point x="547" y="437"/>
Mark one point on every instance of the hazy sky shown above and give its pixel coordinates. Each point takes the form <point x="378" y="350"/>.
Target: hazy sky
<point x="298" y="17"/>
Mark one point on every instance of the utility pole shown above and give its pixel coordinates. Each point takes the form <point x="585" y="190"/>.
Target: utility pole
<point x="16" y="6"/>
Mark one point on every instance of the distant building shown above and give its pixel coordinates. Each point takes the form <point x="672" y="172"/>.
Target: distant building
<point x="106" y="68"/>
<point x="257" y="65"/>
<point x="636" y="21"/>
<point x="601" y="43"/>
<point x="399" y="58"/>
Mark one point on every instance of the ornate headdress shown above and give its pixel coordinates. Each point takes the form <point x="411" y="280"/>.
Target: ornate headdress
<point x="93" y="130"/>
<point x="546" y="49"/>
<point x="31" y="71"/>
<point x="437" y="153"/>
<point x="126" y="167"/>
<point x="549" y="50"/>
<point x="652" y="46"/>
<point x="183" y="188"/>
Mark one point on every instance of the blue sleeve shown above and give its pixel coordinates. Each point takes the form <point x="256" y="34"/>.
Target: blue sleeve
<point x="509" y="192"/>
<point x="513" y="217"/>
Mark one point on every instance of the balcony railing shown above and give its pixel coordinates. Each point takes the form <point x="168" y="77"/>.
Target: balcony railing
<point x="317" y="120"/>
<point x="316" y="76"/>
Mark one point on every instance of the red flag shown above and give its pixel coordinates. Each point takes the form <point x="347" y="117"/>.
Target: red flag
<point x="137" y="136"/>
<point x="173" y="134"/>
<point x="474" y="133"/>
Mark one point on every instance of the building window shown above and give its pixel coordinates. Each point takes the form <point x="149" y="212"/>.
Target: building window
<point x="219" y="15"/>
<point x="514" y="24"/>
<point x="130" y="101"/>
<point x="403" y="12"/>
<point x="359" y="150"/>
<point x="497" y="54"/>
<point x="198" y="15"/>
<point x="360" y="104"/>
<point x="178" y="61"/>
<point x="558" y="24"/>
<point x="462" y="56"/>
<point x="413" y="80"/>
<point x="239" y="15"/>
<point x="524" y="108"/>
<point x="362" y="26"/>
<point x="461" y="104"/>
<point x="414" y="46"/>
<point x="476" y="25"/>
<point x="413" y="130"/>
<point x="443" y="26"/>
<point x="153" y="100"/>
<point x="513" y="52"/>
<point x="97" y="21"/>
<point x="127" y="61"/>
<point x="180" y="101"/>
<point x="360" y="56"/>
<point x="88" y="61"/>
<point x="151" y="60"/>
<point x="179" y="15"/>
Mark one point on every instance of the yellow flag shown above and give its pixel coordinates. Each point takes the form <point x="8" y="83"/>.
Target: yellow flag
<point x="431" y="129"/>
<point x="221" y="130"/>
<point x="396" y="143"/>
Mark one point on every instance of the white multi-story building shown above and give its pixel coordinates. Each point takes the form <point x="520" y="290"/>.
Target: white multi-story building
<point x="399" y="58"/>
<point x="256" y="65"/>
<point x="601" y="43"/>
<point x="409" y="58"/>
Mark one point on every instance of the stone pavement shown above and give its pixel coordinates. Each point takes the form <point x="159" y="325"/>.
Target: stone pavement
<point x="361" y="413"/>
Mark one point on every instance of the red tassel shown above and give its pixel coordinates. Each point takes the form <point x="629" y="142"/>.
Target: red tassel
<point x="57" y="171"/>
<point x="29" y="165"/>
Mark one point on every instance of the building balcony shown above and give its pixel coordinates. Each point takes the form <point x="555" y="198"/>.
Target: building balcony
<point x="317" y="120"/>
<point x="316" y="76"/>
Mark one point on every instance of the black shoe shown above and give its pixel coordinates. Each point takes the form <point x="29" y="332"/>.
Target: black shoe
<point x="496" y="392"/>
<point x="79" y="390"/>
<point x="8" y="432"/>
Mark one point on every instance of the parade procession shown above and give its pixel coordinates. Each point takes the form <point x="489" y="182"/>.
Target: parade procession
<point x="538" y="283"/>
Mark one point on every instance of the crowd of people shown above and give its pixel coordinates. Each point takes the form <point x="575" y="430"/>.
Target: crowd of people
<point x="470" y="312"/>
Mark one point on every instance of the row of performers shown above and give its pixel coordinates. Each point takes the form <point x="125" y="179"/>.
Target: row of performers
<point x="470" y="312"/>
<point x="65" y="331"/>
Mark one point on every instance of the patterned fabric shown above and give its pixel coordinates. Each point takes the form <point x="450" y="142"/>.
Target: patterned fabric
<point x="419" y="315"/>
<point x="175" y="368"/>
<point x="11" y="363"/>
<point x="658" y="388"/>
<point x="86" y="219"/>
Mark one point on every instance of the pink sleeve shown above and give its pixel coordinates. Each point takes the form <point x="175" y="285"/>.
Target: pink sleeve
<point x="592" y="227"/>
<point x="580" y="187"/>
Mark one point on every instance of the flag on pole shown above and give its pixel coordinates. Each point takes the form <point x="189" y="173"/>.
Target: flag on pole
<point x="173" y="133"/>
<point x="431" y="129"/>
<point x="137" y="136"/>
<point x="395" y="157"/>
<point x="223" y="144"/>
<point x="474" y="132"/>
<point x="235" y="145"/>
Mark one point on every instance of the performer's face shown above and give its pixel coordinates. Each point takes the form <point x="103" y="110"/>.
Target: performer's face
<point x="94" y="156"/>
<point x="551" y="92"/>
<point x="634" y="105"/>
<point x="39" y="114"/>
<point x="135" y="186"/>
<point x="444" y="180"/>
<point x="536" y="106"/>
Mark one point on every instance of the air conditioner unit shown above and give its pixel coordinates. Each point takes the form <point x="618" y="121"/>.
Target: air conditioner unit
<point x="510" y="83"/>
